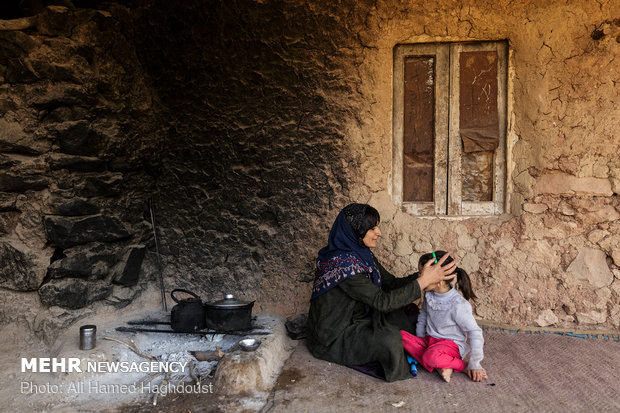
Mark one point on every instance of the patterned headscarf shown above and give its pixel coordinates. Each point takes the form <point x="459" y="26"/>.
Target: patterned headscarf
<point x="344" y="255"/>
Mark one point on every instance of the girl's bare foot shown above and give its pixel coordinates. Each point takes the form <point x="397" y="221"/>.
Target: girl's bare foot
<point x="445" y="374"/>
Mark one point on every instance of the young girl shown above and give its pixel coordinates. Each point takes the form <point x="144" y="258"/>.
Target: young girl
<point x="444" y="324"/>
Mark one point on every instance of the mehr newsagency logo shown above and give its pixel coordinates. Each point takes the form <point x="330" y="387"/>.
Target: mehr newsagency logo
<point x="76" y="365"/>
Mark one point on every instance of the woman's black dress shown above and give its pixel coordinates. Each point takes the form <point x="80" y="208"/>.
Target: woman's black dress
<point x="356" y="322"/>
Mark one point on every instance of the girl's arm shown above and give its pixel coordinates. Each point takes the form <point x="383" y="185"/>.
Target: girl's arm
<point x="466" y="322"/>
<point x="420" y="328"/>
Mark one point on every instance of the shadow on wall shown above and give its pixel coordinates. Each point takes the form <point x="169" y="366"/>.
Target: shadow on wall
<point x="235" y="139"/>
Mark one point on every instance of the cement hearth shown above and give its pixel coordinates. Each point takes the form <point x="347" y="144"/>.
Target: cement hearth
<point x="242" y="379"/>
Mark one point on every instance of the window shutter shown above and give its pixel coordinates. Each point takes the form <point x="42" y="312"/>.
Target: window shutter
<point x="449" y="128"/>
<point x="420" y="128"/>
<point x="477" y="128"/>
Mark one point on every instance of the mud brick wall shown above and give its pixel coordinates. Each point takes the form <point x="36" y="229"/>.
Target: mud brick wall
<point x="250" y="123"/>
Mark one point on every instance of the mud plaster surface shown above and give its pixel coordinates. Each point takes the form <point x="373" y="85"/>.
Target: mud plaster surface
<point x="562" y="150"/>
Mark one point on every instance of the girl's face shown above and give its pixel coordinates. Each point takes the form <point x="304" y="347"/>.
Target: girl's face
<point x="371" y="237"/>
<point x="440" y="287"/>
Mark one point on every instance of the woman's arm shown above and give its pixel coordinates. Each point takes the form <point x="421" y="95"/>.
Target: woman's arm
<point x="431" y="273"/>
<point x="360" y="288"/>
<point x="391" y="282"/>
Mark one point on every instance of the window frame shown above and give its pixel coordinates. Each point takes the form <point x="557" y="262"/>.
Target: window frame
<point x="447" y="180"/>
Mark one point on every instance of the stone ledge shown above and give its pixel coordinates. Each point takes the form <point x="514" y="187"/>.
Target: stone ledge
<point x="564" y="184"/>
<point x="240" y="372"/>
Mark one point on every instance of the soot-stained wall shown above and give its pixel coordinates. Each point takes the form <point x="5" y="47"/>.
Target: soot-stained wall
<point x="254" y="157"/>
<point x="251" y="123"/>
<point x="225" y="115"/>
<point x="80" y="147"/>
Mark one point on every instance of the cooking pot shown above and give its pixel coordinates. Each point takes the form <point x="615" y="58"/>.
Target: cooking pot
<point x="229" y="314"/>
<point x="188" y="315"/>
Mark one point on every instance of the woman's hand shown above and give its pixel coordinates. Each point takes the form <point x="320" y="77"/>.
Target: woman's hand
<point x="477" y="375"/>
<point x="433" y="273"/>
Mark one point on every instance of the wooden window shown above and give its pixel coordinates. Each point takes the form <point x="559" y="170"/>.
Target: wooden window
<point x="449" y="153"/>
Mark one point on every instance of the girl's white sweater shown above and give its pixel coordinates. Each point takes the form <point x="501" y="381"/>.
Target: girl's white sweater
<point x="449" y="316"/>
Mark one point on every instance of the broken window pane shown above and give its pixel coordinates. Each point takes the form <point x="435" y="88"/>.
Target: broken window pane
<point x="479" y="122"/>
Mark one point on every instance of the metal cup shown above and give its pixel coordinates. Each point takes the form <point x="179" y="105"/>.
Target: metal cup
<point x="88" y="337"/>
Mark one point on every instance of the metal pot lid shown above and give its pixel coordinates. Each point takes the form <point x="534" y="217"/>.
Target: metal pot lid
<point x="229" y="301"/>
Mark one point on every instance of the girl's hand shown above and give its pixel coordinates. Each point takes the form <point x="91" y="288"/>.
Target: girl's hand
<point x="477" y="375"/>
<point x="433" y="273"/>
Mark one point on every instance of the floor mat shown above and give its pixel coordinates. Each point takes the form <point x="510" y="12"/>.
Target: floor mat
<point x="527" y="372"/>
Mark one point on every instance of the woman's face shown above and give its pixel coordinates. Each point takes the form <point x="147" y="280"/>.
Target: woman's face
<point x="371" y="237"/>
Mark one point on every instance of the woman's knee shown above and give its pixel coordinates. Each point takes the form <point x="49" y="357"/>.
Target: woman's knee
<point x="391" y="339"/>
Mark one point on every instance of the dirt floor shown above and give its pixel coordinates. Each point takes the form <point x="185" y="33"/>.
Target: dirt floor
<point x="527" y="372"/>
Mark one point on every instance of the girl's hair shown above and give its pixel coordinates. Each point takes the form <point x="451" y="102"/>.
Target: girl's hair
<point x="462" y="279"/>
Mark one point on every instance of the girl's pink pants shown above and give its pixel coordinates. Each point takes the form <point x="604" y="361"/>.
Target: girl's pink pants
<point x="433" y="352"/>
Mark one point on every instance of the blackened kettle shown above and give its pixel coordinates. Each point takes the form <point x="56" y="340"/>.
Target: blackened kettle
<point x="188" y="315"/>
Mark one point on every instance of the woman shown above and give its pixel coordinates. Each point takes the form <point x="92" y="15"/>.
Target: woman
<point x="357" y="307"/>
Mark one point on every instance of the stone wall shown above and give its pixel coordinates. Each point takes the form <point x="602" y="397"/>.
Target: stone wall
<point x="252" y="93"/>
<point x="76" y="171"/>
<point x="236" y="141"/>
<point x="250" y="123"/>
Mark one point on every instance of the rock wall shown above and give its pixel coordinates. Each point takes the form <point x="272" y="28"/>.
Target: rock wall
<point x="76" y="171"/>
<point x="235" y="140"/>
<point x="251" y="123"/>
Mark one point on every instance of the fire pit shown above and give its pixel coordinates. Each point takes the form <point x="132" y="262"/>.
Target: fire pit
<point x="146" y="367"/>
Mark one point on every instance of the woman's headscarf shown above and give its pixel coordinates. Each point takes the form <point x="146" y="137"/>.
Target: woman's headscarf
<point x="344" y="255"/>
